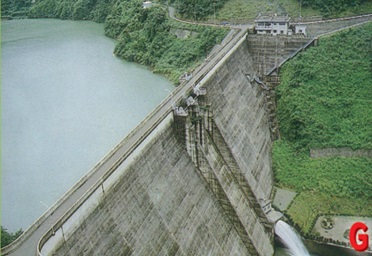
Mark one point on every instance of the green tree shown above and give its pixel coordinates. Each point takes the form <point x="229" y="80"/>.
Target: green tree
<point x="7" y="237"/>
<point x="199" y="9"/>
<point x="331" y="7"/>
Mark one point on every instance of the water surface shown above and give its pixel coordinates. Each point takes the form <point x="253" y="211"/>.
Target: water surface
<point x="66" y="101"/>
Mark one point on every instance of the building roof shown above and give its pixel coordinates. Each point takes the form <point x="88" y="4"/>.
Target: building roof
<point x="272" y="18"/>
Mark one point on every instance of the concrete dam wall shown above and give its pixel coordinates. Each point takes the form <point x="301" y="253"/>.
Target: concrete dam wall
<point x="200" y="186"/>
<point x="239" y="108"/>
<point x="159" y="207"/>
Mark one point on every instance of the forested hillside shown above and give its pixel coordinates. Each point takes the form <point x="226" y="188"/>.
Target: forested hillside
<point x="325" y="95"/>
<point x="72" y="9"/>
<point x="241" y="11"/>
<point x="324" y="100"/>
<point x="329" y="7"/>
<point x="197" y="10"/>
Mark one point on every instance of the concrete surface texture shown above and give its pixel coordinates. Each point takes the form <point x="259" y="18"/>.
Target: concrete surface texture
<point x="283" y="198"/>
<point x="269" y="51"/>
<point x="340" y="152"/>
<point x="164" y="205"/>
<point x="161" y="206"/>
<point x="239" y="112"/>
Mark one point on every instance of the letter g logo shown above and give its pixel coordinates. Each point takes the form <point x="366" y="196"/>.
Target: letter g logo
<point x="360" y="237"/>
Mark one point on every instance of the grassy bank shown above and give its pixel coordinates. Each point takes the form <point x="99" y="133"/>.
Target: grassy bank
<point x="325" y="186"/>
<point x="324" y="100"/>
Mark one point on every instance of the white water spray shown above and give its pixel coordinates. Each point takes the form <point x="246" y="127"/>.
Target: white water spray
<point x="290" y="238"/>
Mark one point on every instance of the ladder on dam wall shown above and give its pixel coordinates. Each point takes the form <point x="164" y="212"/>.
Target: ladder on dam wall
<point x="196" y="129"/>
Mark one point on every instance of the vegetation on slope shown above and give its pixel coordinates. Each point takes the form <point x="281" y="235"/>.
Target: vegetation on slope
<point x="331" y="7"/>
<point x="7" y="237"/>
<point x="72" y="9"/>
<point x="144" y="37"/>
<point x="324" y="100"/>
<point x="237" y="11"/>
<point x="14" y="8"/>
<point x="196" y="10"/>
<point x="247" y="10"/>
<point x="328" y="186"/>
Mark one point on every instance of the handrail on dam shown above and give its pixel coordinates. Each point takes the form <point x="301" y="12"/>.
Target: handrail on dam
<point x="166" y="107"/>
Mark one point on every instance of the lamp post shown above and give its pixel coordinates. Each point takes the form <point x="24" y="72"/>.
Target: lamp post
<point x="50" y="217"/>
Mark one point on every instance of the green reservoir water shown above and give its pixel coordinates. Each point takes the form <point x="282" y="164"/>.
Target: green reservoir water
<point x="66" y="102"/>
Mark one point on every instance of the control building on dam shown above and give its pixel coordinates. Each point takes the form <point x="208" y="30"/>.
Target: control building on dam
<point x="201" y="182"/>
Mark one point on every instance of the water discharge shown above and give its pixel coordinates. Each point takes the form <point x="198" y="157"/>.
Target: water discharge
<point x="290" y="239"/>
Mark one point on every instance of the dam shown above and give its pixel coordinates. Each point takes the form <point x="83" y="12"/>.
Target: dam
<point x="195" y="187"/>
<point x="201" y="184"/>
<point x="194" y="178"/>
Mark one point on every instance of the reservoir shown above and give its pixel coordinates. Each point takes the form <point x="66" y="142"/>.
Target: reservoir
<point x="66" y="102"/>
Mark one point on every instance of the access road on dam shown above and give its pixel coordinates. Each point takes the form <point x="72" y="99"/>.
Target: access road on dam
<point x="27" y="243"/>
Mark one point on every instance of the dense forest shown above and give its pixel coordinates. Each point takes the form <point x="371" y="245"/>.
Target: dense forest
<point x="244" y="11"/>
<point x="324" y="100"/>
<point x="72" y="9"/>
<point x="329" y="7"/>
<point x="324" y="97"/>
<point x="198" y="10"/>
<point x="144" y="37"/>
<point x="15" y="8"/>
